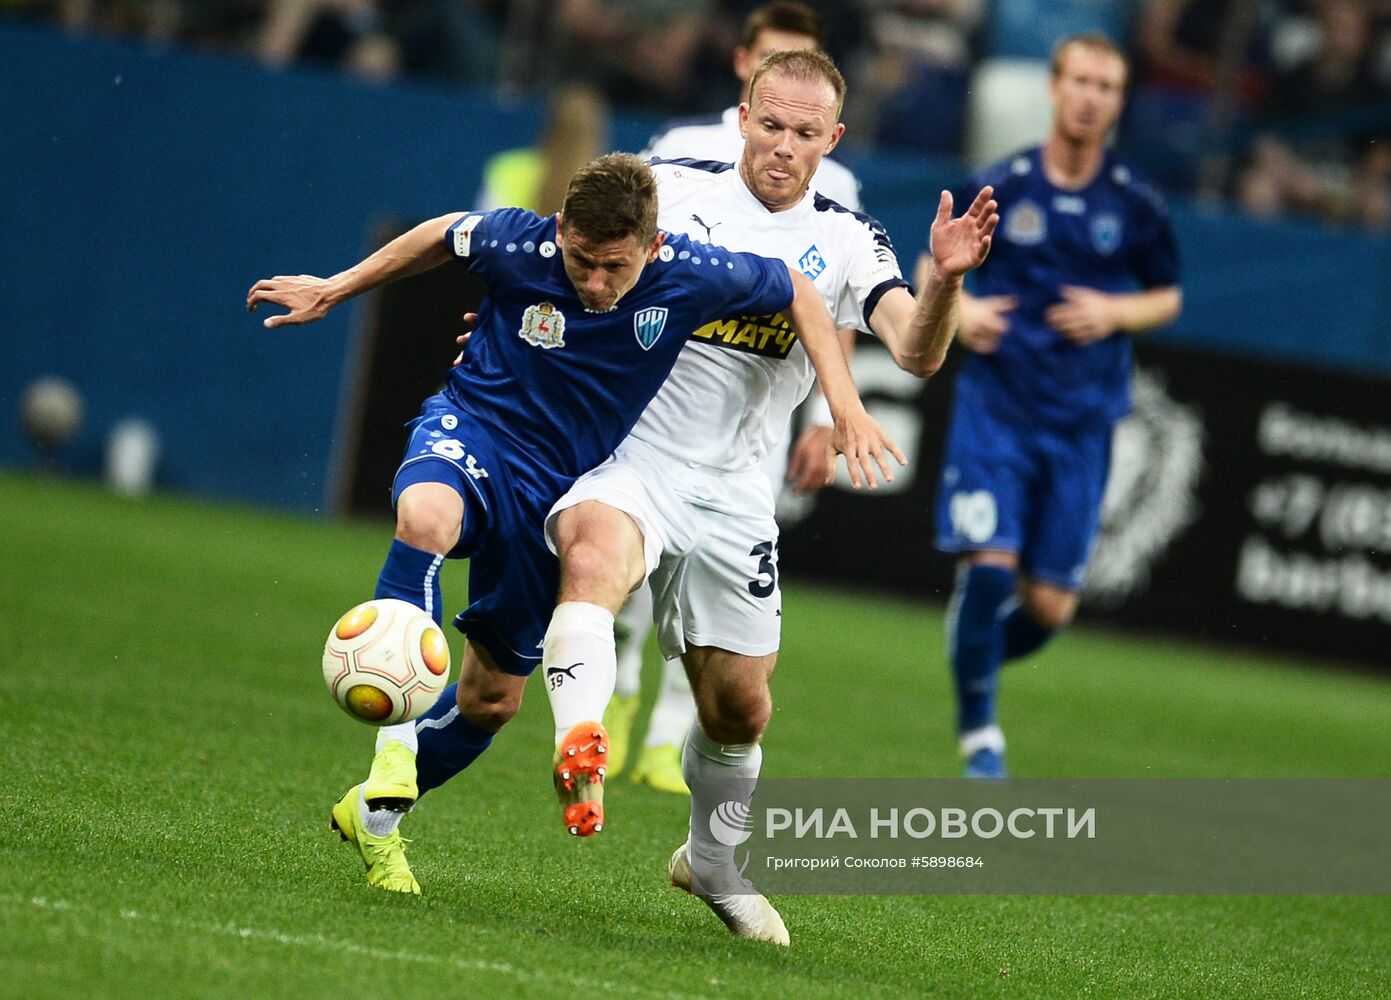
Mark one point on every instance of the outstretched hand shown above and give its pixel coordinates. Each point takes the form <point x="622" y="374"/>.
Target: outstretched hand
<point x="960" y="244"/>
<point x="306" y="296"/>
<point x="859" y="438"/>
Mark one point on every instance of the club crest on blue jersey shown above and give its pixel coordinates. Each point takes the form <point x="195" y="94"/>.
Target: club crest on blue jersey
<point x="1026" y="224"/>
<point x="648" y="325"/>
<point x="1106" y="233"/>
<point x="543" y="325"/>
<point x="812" y="263"/>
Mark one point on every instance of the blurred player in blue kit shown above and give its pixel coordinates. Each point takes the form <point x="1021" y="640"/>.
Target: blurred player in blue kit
<point x="1085" y="257"/>
<point x="585" y="315"/>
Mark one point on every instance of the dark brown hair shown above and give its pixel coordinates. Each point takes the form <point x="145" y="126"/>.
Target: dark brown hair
<point x="801" y="64"/>
<point x="612" y="198"/>
<point x="785" y="15"/>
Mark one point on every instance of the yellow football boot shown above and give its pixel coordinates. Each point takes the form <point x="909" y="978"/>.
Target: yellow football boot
<point x="391" y="783"/>
<point x="660" y="767"/>
<point x="384" y="857"/>
<point x="618" y="720"/>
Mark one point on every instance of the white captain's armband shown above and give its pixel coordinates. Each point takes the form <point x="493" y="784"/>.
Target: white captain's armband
<point x="461" y="235"/>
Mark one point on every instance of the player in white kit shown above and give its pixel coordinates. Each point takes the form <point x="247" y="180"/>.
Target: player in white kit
<point x="772" y="27"/>
<point x="683" y="499"/>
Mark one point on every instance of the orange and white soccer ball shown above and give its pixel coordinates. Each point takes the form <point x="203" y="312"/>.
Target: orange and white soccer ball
<point x="385" y="662"/>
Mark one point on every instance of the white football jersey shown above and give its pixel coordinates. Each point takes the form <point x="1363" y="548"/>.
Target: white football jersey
<point x="736" y="382"/>
<point x="719" y="140"/>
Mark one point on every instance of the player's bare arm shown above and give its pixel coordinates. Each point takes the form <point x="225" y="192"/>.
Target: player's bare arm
<point x="1086" y="315"/>
<point x="982" y="320"/>
<point x="918" y="332"/>
<point x="807" y="461"/>
<point x="309" y="297"/>
<point x="856" y="434"/>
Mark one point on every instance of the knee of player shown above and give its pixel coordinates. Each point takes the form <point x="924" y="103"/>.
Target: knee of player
<point x="1050" y="607"/>
<point x="487" y="711"/>
<point x="430" y="522"/>
<point x="737" y="715"/>
<point x="591" y="570"/>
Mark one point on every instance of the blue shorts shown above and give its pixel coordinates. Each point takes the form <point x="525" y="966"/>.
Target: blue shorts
<point x="1034" y="491"/>
<point x="513" y="577"/>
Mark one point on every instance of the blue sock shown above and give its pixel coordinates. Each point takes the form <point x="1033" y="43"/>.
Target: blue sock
<point x="1023" y="635"/>
<point x="448" y="741"/>
<point x="412" y="576"/>
<point x="976" y="641"/>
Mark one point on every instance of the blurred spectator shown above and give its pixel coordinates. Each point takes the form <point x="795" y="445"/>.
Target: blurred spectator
<point x="449" y="41"/>
<point x="1200" y="68"/>
<point x="1314" y="75"/>
<point x="347" y="33"/>
<point x="640" y="53"/>
<point x="1323" y="149"/>
<point x="1178" y="44"/>
<point x="917" y="76"/>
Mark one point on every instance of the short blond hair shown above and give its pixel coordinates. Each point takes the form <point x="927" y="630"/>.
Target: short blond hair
<point x="1093" y="40"/>
<point x="801" y="64"/>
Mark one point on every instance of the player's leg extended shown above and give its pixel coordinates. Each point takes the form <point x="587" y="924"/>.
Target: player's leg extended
<point x="449" y="737"/>
<point x="429" y="519"/>
<point x="721" y="762"/>
<point x="985" y="583"/>
<point x="601" y="560"/>
<point x="631" y="626"/>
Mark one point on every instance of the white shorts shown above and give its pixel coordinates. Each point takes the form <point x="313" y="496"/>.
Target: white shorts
<point x="710" y="543"/>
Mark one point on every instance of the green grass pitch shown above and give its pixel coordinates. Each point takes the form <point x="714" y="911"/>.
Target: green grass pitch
<point x="170" y="757"/>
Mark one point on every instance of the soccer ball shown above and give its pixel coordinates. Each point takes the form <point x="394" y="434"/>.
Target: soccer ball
<point x="386" y="662"/>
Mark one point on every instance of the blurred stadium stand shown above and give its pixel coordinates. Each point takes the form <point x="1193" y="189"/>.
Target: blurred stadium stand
<point x="148" y="187"/>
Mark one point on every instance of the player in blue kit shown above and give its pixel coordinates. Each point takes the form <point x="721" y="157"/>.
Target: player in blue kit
<point x="1084" y="257"/>
<point x="585" y="315"/>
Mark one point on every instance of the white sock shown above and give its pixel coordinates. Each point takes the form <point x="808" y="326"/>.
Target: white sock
<point x="675" y="711"/>
<point x="724" y="778"/>
<point x="989" y="737"/>
<point x="378" y="822"/>
<point x="578" y="664"/>
<point x="402" y="732"/>
<point x="634" y="619"/>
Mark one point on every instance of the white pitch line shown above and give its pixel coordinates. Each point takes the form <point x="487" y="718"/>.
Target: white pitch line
<point x="322" y="943"/>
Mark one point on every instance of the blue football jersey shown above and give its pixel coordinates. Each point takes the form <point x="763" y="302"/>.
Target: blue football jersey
<point x="562" y="386"/>
<point x="1113" y="235"/>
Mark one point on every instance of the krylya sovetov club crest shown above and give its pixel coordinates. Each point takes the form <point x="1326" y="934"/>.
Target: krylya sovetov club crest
<point x="543" y="325"/>
<point x="648" y="325"/>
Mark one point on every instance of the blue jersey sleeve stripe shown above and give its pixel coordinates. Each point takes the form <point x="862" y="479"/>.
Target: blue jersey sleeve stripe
<point x="877" y="293"/>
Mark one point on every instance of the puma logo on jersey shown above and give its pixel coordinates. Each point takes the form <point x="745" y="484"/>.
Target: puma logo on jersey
<point x="709" y="229"/>
<point x="769" y="336"/>
<point x="555" y="676"/>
